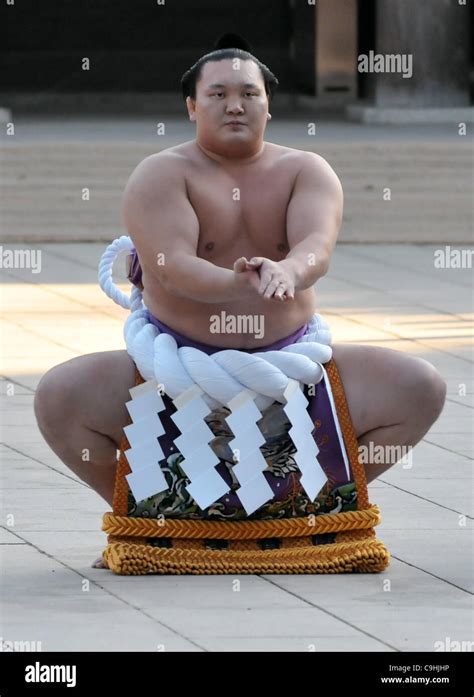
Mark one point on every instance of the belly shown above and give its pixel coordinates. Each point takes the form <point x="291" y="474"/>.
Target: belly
<point x="193" y="319"/>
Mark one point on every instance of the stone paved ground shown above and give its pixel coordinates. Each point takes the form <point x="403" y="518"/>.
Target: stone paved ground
<point x="383" y="295"/>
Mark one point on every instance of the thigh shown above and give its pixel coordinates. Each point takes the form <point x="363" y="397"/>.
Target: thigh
<point x="92" y="389"/>
<point x="380" y="383"/>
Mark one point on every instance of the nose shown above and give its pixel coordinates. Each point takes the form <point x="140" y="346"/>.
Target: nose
<point x="234" y="108"/>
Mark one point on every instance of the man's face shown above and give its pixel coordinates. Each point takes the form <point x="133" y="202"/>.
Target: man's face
<point x="228" y="90"/>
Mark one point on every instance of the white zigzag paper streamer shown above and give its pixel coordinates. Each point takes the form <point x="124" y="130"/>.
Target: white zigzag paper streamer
<point x="313" y="476"/>
<point x="199" y="463"/>
<point x="254" y="489"/>
<point x="145" y="453"/>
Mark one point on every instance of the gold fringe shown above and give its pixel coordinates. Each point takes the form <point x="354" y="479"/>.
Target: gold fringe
<point x="363" y="557"/>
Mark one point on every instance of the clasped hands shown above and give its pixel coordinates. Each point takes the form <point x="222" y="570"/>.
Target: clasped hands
<point x="268" y="278"/>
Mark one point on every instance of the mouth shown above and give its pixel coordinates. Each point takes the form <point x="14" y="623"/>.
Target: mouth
<point x="235" y="123"/>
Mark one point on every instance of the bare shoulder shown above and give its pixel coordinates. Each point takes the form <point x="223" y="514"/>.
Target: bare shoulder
<point x="317" y="182"/>
<point x="158" y="172"/>
<point x="284" y="155"/>
<point x="317" y="164"/>
<point x="305" y="162"/>
<point x="316" y="172"/>
<point x="167" y="161"/>
<point x="156" y="185"/>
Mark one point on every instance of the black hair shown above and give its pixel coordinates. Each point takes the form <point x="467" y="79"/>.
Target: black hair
<point x="227" y="46"/>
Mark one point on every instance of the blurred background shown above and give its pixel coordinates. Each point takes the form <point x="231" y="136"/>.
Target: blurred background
<point x="377" y="130"/>
<point x="311" y="45"/>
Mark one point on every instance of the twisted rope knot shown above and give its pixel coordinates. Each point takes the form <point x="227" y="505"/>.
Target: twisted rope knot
<point x="224" y="374"/>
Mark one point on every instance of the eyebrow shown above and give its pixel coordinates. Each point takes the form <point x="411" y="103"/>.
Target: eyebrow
<point x="246" y="84"/>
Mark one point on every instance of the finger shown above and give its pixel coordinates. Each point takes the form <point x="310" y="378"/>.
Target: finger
<point x="285" y="291"/>
<point x="279" y="297"/>
<point x="240" y="264"/>
<point x="280" y="294"/>
<point x="272" y="287"/>
<point x="265" y="279"/>
<point x="289" y="291"/>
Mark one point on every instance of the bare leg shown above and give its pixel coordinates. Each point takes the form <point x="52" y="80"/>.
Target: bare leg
<point x="80" y="409"/>
<point x="393" y="398"/>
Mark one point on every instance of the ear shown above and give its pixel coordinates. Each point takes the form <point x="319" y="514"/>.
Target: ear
<point x="191" y="107"/>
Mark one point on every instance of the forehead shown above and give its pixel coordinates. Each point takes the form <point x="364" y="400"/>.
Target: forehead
<point x="231" y="72"/>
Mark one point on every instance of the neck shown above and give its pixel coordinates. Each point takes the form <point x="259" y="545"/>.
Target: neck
<point x="240" y="157"/>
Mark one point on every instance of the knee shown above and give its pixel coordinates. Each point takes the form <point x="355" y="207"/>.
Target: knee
<point x="50" y="401"/>
<point x="430" y="391"/>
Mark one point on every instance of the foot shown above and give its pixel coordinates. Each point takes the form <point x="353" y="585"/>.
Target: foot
<point x="99" y="564"/>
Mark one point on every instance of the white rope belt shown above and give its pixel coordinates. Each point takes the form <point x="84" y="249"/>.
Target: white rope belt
<point x="199" y="383"/>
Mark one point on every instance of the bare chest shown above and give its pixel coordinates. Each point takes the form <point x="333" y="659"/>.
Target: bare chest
<point x="242" y="213"/>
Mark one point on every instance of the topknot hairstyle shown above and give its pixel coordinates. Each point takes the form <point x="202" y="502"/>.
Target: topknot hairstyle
<point x="228" y="45"/>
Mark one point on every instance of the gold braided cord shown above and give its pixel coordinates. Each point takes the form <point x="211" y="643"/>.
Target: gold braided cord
<point x="348" y="432"/>
<point x="368" y="556"/>
<point x="241" y="530"/>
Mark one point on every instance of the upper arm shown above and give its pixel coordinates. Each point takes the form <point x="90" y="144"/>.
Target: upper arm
<point x="314" y="212"/>
<point x="158" y="214"/>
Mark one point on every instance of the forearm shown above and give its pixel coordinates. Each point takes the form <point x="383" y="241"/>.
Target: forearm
<point x="198" y="279"/>
<point x="305" y="268"/>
